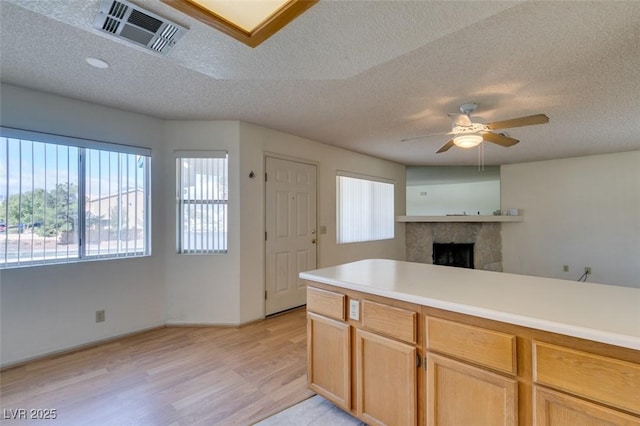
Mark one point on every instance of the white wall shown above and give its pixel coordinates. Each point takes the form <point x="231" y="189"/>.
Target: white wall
<point x="203" y="289"/>
<point x="51" y="308"/>
<point x="48" y="308"/>
<point x="578" y="212"/>
<point x="229" y="288"/>
<point x="255" y="143"/>
<point x="453" y="198"/>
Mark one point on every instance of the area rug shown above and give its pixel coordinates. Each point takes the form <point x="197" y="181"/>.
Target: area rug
<point x="314" y="411"/>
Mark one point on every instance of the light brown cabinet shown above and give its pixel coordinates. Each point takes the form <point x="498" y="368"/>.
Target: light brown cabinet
<point x="558" y="409"/>
<point x="385" y="380"/>
<point x="380" y="343"/>
<point x="492" y="349"/>
<point x="329" y="359"/>
<point x="475" y="371"/>
<point x="484" y="372"/>
<point x="460" y="394"/>
<point x="603" y="382"/>
<point x="462" y="387"/>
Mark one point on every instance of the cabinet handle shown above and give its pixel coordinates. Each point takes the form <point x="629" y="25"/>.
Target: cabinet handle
<point x="418" y="360"/>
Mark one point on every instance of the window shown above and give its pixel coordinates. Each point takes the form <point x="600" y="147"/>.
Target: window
<point x="65" y="199"/>
<point x="365" y="209"/>
<point x="203" y="196"/>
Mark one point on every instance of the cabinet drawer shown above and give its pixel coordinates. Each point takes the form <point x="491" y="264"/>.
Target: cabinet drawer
<point x="394" y="322"/>
<point x="599" y="378"/>
<point x="481" y="346"/>
<point x="556" y="409"/>
<point x="326" y="302"/>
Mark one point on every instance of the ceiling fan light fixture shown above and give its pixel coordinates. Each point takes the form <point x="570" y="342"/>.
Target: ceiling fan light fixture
<point x="468" y="140"/>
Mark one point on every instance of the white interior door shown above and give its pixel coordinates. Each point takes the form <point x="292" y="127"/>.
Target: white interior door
<point x="290" y="232"/>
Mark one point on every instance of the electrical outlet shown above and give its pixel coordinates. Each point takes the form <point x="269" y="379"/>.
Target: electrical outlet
<point x="100" y="316"/>
<point x="354" y="309"/>
<point x="587" y="270"/>
<point x="565" y="268"/>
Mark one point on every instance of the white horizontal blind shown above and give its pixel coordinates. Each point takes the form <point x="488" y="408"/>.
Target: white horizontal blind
<point x="52" y="192"/>
<point x="365" y="210"/>
<point x="202" y="195"/>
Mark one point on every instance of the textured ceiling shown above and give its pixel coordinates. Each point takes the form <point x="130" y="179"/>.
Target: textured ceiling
<point x="362" y="74"/>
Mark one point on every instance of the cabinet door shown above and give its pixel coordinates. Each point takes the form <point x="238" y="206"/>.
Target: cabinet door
<point x="460" y="394"/>
<point x="329" y="359"/>
<point x="598" y="378"/>
<point x="557" y="409"/>
<point x="386" y="377"/>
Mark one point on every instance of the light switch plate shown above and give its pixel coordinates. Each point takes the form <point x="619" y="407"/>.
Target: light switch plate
<point x="354" y="310"/>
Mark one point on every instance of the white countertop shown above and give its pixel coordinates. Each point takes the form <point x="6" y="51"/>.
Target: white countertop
<point x="603" y="313"/>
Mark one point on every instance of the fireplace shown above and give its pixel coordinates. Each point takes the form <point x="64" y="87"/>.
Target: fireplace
<point x="487" y="251"/>
<point x="453" y="254"/>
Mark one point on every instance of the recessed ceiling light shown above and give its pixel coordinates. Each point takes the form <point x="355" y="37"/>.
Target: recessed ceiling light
<point x="97" y="63"/>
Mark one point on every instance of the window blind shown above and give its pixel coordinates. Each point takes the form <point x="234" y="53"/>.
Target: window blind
<point x="365" y="209"/>
<point x="202" y="195"/>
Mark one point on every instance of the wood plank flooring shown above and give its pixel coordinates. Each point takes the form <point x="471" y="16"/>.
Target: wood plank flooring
<point x="170" y="376"/>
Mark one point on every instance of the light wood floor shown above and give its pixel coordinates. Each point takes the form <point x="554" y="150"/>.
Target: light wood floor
<point x="169" y="376"/>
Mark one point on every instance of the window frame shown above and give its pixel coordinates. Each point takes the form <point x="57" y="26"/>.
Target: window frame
<point x="82" y="145"/>
<point x="371" y="179"/>
<point x="180" y="156"/>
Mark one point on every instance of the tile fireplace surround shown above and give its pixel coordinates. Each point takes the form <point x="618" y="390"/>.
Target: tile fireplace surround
<point x="487" y="254"/>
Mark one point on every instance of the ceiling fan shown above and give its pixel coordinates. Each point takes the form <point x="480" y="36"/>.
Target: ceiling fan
<point x="467" y="134"/>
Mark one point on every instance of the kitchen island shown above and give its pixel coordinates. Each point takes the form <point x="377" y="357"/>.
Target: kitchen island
<point x="405" y="343"/>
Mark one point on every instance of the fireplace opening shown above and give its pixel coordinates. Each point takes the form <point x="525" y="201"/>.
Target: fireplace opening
<point x="453" y="254"/>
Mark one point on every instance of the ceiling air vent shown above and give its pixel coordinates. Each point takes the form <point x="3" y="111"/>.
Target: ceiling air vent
<point x="130" y="22"/>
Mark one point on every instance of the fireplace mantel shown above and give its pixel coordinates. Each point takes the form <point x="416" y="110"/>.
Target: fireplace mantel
<point x="459" y="218"/>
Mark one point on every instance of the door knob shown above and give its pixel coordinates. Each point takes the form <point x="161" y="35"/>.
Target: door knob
<point x="314" y="241"/>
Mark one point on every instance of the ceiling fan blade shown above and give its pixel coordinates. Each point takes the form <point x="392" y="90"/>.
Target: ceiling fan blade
<point x="462" y="120"/>
<point x="445" y="147"/>
<point x="422" y="137"/>
<point x="499" y="139"/>
<point x="519" y="122"/>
